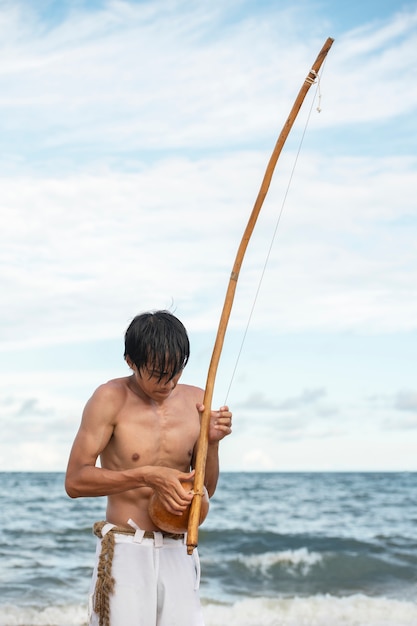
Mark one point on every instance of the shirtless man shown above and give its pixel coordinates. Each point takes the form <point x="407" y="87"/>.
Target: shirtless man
<point x="144" y="427"/>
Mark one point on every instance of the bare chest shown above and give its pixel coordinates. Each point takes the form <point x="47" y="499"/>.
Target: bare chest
<point x="154" y="435"/>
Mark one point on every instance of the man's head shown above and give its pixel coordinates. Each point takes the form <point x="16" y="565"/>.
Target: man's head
<point x="157" y="342"/>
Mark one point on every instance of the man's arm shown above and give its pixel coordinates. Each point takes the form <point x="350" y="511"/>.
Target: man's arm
<point x="83" y="478"/>
<point x="220" y="427"/>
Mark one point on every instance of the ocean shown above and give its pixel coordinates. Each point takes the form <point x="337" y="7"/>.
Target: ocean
<point x="277" y="549"/>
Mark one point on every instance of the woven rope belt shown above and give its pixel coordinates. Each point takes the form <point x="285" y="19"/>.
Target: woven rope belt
<point x="105" y="581"/>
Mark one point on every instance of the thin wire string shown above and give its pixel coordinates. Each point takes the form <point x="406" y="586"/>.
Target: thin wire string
<point x="274" y="234"/>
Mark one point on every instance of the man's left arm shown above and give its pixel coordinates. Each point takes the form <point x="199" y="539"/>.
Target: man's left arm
<point x="220" y="427"/>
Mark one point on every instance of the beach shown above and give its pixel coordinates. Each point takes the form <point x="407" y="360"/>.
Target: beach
<point x="277" y="549"/>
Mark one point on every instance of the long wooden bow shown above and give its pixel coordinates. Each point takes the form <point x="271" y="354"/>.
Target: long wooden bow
<point x="202" y="449"/>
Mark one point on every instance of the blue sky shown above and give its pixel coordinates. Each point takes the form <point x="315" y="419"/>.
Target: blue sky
<point x="134" y="139"/>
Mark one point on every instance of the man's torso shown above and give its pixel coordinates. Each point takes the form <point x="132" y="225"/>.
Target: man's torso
<point x="149" y="433"/>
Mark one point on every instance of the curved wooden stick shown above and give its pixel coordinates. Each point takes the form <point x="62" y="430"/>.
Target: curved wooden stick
<point x="202" y="446"/>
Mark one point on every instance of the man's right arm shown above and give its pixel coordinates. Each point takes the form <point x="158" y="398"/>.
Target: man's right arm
<point x="83" y="478"/>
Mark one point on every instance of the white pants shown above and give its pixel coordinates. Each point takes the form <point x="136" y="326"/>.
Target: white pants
<point x="156" y="582"/>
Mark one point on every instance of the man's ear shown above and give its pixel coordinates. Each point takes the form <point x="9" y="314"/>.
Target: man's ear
<point x="129" y="361"/>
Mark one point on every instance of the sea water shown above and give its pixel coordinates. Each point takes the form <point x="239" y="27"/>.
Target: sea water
<point x="277" y="549"/>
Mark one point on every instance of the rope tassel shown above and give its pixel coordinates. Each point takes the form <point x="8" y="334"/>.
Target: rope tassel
<point x="105" y="581"/>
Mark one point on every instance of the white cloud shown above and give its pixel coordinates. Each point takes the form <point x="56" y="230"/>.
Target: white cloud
<point x="78" y="249"/>
<point x="135" y="138"/>
<point x="406" y="400"/>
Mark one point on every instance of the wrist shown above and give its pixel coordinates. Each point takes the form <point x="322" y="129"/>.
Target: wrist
<point x="142" y="476"/>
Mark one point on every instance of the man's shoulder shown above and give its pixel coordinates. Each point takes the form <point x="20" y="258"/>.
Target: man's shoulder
<point x="114" y="389"/>
<point x="191" y="390"/>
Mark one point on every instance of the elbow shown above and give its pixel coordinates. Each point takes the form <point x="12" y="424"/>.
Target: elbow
<point x="71" y="488"/>
<point x="211" y="488"/>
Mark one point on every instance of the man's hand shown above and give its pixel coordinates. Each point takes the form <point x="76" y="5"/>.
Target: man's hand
<point x="220" y="423"/>
<point x="168" y="486"/>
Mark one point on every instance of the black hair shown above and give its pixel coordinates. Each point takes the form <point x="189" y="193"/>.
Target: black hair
<point x="158" y="341"/>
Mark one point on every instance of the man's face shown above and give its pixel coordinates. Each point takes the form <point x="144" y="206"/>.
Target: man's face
<point x="155" y="383"/>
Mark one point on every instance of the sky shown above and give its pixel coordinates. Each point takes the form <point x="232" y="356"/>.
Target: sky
<point x="134" y="139"/>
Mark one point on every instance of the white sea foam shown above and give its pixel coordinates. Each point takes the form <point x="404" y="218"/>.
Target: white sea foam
<point x="67" y="615"/>
<point x="301" y="559"/>
<point x="357" y="610"/>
